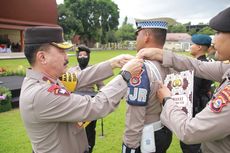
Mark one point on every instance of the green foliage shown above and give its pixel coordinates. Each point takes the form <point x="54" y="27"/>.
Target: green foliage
<point x="177" y="28"/>
<point x="207" y="30"/>
<point x="19" y="70"/>
<point x="91" y="19"/>
<point x="125" y="32"/>
<point x="5" y="99"/>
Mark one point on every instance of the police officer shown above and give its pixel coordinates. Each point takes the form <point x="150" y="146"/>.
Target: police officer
<point x="83" y="58"/>
<point x="143" y="129"/>
<point x="201" y="87"/>
<point x="211" y="126"/>
<point x="48" y="110"/>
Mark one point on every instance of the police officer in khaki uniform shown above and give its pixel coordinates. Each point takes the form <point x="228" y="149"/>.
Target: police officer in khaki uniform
<point x="50" y="113"/>
<point x="83" y="58"/>
<point x="201" y="87"/>
<point x="143" y="109"/>
<point x="211" y="126"/>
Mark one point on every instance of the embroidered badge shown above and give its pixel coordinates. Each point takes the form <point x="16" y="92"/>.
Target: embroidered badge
<point x="221" y="100"/>
<point x="136" y="80"/>
<point x="57" y="90"/>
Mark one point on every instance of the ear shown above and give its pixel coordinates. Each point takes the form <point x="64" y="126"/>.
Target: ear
<point x="147" y="37"/>
<point x="41" y="57"/>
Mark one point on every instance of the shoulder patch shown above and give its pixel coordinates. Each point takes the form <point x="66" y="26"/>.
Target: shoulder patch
<point x="221" y="100"/>
<point x="57" y="90"/>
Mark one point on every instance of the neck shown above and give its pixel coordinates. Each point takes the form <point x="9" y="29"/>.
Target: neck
<point x="153" y="45"/>
<point x="49" y="75"/>
<point x="199" y="54"/>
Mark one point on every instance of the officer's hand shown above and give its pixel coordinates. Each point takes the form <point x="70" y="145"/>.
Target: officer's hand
<point x="134" y="66"/>
<point x="150" y="54"/>
<point x="120" y="60"/>
<point x="163" y="91"/>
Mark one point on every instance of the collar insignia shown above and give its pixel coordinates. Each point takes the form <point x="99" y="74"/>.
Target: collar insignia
<point x="57" y="90"/>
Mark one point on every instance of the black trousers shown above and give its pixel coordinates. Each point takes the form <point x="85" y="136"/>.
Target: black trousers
<point x="194" y="148"/>
<point x="163" y="139"/>
<point x="91" y="134"/>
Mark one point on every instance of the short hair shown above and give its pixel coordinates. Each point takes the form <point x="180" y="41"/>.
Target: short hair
<point x="30" y="51"/>
<point x="158" y="34"/>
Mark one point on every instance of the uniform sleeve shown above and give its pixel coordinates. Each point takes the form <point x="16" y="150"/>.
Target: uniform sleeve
<point x="94" y="73"/>
<point x="134" y="123"/>
<point x="205" y="126"/>
<point x="49" y="106"/>
<point x="202" y="69"/>
<point x="100" y="84"/>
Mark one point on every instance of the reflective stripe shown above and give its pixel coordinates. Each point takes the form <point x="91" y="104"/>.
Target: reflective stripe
<point x="132" y="151"/>
<point x="126" y="149"/>
<point x="123" y="148"/>
<point x="154" y="70"/>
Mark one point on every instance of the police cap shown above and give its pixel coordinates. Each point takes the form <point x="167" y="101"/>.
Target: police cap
<point x="158" y="23"/>
<point x="45" y="34"/>
<point x="221" y="22"/>
<point x="202" y="39"/>
<point x="83" y="48"/>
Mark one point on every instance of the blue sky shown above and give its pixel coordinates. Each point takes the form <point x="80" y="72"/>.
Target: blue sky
<point x="183" y="11"/>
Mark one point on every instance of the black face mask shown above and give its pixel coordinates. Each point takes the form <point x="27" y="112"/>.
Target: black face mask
<point x="83" y="62"/>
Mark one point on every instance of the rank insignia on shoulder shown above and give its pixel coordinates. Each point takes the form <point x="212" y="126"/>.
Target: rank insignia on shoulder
<point x="221" y="100"/>
<point x="57" y="90"/>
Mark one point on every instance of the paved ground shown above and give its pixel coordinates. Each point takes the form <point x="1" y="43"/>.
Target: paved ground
<point x="11" y="82"/>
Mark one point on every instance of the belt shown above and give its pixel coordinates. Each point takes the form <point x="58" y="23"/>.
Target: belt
<point x="157" y="125"/>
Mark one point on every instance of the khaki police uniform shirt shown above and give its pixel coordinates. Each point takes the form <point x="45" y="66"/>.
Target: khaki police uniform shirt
<point x="90" y="87"/>
<point x="50" y="117"/>
<point x="208" y="127"/>
<point x="138" y="116"/>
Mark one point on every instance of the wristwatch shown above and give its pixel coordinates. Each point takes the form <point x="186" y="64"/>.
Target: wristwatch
<point x="126" y="75"/>
<point x="165" y="99"/>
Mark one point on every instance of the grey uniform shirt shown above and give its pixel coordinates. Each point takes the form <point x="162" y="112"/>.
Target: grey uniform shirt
<point x="50" y="117"/>
<point x="210" y="128"/>
<point x="138" y="116"/>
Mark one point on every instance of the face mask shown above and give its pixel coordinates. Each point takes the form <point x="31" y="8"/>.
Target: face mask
<point x="83" y="62"/>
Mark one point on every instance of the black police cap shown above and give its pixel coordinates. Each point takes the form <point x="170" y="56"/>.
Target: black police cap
<point x="221" y="22"/>
<point x="44" y="34"/>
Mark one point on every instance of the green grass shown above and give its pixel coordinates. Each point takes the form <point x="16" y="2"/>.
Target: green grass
<point x="13" y="137"/>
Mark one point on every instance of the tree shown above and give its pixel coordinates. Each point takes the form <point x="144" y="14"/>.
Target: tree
<point x="207" y="30"/>
<point x="94" y="19"/>
<point x="177" y="28"/>
<point x="125" y="32"/>
<point x="68" y="22"/>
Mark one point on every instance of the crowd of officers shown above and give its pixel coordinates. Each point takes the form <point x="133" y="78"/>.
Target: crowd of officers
<point x="52" y="114"/>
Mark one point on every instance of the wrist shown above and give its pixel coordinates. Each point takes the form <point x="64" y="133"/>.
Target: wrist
<point x="165" y="99"/>
<point x="126" y="75"/>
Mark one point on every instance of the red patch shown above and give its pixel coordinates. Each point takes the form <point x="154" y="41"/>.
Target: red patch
<point x="57" y="90"/>
<point x="221" y="100"/>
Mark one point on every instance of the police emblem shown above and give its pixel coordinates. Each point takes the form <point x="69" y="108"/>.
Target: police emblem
<point x="222" y="99"/>
<point x="136" y="80"/>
